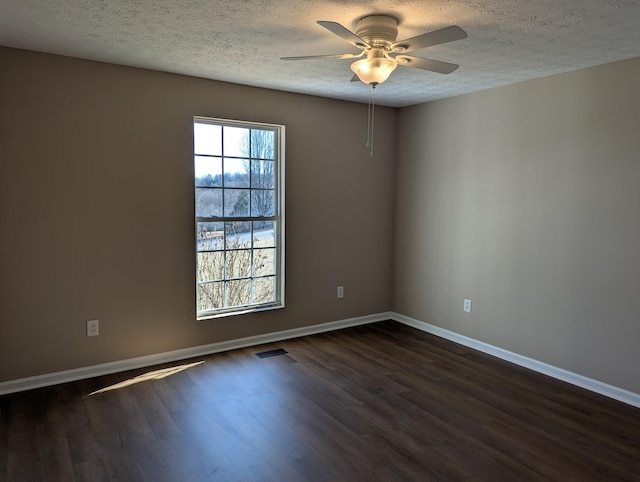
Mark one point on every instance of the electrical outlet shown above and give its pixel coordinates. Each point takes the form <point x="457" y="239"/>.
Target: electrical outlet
<point x="340" y="293"/>
<point x="93" y="327"/>
<point x="467" y="306"/>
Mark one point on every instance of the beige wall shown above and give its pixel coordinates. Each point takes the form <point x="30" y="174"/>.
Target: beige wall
<point x="96" y="209"/>
<point x="526" y="199"/>
<point x="523" y="198"/>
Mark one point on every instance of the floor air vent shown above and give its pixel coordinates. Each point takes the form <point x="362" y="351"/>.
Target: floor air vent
<point x="277" y="351"/>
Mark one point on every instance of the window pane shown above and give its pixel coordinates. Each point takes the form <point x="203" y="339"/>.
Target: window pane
<point x="238" y="234"/>
<point x="210" y="296"/>
<point x="262" y="143"/>
<point x="208" y="171"/>
<point x="262" y="202"/>
<point x="236" y="172"/>
<point x="264" y="290"/>
<point x="235" y="141"/>
<point x="207" y="139"/>
<point x="262" y="174"/>
<point x="210" y="266"/>
<point x="236" y="202"/>
<point x="208" y="202"/>
<point x="264" y="234"/>
<point x="239" y="263"/>
<point x="238" y="292"/>
<point x="210" y="236"/>
<point x="264" y="262"/>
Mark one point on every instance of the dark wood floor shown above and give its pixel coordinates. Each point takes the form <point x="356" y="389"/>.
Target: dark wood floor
<point x="379" y="402"/>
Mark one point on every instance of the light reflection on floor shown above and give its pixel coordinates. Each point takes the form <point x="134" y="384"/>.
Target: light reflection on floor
<point x="154" y="375"/>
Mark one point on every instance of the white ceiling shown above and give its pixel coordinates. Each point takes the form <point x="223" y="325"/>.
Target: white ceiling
<point x="241" y="41"/>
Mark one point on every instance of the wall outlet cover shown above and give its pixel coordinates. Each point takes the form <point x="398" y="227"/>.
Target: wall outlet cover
<point x="93" y="327"/>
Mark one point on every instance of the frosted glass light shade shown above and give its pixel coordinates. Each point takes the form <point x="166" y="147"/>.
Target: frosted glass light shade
<point x="374" y="70"/>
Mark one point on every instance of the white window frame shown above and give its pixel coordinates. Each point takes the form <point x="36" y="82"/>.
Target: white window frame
<point x="278" y="219"/>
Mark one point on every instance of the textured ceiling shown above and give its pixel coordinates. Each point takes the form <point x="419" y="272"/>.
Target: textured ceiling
<point x="241" y="41"/>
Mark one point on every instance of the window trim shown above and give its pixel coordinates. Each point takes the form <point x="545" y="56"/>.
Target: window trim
<point x="278" y="217"/>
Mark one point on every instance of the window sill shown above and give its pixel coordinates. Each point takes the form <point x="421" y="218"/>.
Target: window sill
<point x="212" y="316"/>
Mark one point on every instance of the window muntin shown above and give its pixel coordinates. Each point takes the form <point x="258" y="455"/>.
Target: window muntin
<point x="239" y="207"/>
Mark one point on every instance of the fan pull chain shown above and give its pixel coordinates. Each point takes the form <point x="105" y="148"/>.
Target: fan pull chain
<point x="370" y="117"/>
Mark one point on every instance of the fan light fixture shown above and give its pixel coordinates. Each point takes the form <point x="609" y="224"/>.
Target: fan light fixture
<point x="376" y="37"/>
<point x="376" y="68"/>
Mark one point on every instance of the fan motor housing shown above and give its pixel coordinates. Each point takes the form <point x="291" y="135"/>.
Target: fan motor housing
<point x="378" y="30"/>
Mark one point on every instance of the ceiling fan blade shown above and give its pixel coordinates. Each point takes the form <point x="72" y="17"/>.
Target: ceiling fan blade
<point x="344" y="33"/>
<point x="355" y="78"/>
<point x="426" y="64"/>
<point x="330" y="56"/>
<point x="437" y="37"/>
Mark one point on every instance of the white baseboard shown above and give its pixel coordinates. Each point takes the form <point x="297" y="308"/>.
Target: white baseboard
<point x="55" y="378"/>
<point x="596" y="386"/>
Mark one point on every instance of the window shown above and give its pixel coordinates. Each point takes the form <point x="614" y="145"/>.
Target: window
<point x="239" y="204"/>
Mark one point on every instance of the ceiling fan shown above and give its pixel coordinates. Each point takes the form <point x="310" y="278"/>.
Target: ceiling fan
<point x="381" y="53"/>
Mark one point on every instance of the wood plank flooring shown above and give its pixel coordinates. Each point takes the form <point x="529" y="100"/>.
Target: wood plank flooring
<point x="381" y="402"/>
